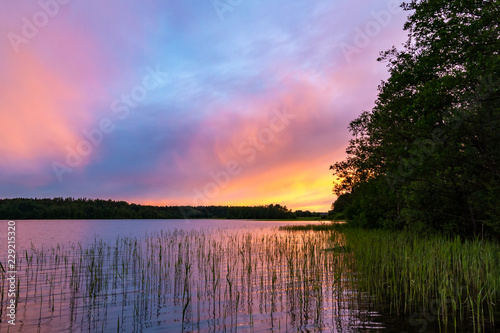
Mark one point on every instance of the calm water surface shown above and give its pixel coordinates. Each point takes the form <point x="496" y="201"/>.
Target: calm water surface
<point x="185" y="276"/>
<point x="47" y="233"/>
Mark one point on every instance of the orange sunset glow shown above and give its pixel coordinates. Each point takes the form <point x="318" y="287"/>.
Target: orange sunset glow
<point x="100" y="105"/>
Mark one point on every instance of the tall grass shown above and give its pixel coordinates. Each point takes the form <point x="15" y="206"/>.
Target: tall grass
<point x="456" y="280"/>
<point x="302" y="278"/>
<point x="187" y="281"/>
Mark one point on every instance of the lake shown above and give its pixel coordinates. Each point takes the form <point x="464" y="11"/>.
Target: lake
<point x="183" y="276"/>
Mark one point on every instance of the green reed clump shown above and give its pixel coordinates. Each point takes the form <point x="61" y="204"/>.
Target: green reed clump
<point x="322" y="226"/>
<point x="455" y="280"/>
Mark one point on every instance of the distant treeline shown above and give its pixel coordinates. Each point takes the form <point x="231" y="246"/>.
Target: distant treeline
<point x="83" y="208"/>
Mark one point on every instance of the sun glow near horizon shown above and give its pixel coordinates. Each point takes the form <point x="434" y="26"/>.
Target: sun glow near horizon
<point x="144" y="102"/>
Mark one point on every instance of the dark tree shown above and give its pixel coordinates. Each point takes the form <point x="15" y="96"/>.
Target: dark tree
<point x="428" y="154"/>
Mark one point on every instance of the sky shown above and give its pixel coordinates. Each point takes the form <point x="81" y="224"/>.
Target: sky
<point x="163" y="102"/>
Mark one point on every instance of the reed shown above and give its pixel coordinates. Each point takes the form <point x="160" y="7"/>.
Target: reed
<point x="455" y="280"/>
<point x="191" y="280"/>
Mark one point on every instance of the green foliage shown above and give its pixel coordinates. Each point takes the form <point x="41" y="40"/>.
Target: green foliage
<point x="433" y="133"/>
<point x="448" y="277"/>
<point x="369" y="205"/>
